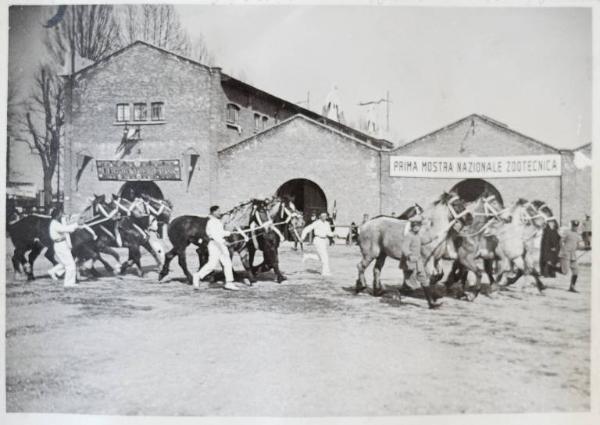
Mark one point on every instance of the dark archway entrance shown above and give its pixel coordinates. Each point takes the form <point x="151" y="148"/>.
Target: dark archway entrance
<point x="306" y="195"/>
<point x="134" y="189"/>
<point x="471" y="189"/>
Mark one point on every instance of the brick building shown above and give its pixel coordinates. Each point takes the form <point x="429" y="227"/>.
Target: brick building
<point x="147" y="120"/>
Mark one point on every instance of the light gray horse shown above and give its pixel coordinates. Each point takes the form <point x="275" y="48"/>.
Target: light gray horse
<point x="383" y="237"/>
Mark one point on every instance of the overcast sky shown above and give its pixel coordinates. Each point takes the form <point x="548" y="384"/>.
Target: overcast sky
<point x="530" y="68"/>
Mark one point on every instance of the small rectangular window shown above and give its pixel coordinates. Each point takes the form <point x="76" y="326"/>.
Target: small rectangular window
<point x="233" y="113"/>
<point x="139" y="112"/>
<point x="257" y="122"/>
<point x="123" y="112"/>
<point x="157" y="111"/>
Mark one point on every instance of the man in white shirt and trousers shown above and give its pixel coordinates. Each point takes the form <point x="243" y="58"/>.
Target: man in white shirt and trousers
<point x="322" y="232"/>
<point x="217" y="251"/>
<point x="59" y="233"/>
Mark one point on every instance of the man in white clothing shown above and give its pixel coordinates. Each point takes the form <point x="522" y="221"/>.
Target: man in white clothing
<point x="59" y="233"/>
<point x="322" y="232"/>
<point x="217" y="251"/>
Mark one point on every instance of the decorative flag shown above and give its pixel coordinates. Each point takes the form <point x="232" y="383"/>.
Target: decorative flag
<point x="581" y="161"/>
<point x="131" y="136"/>
<point x="82" y="162"/>
<point x="192" y="166"/>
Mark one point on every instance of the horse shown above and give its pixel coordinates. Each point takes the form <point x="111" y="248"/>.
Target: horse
<point x="280" y="214"/>
<point x="516" y="236"/>
<point x="383" y="236"/>
<point x="471" y="240"/>
<point x="126" y="223"/>
<point x="30" y="233"/>
<point x="190" y="229"/>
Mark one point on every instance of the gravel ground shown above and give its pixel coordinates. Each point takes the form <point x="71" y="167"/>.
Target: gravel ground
<point x="308" y="347"/>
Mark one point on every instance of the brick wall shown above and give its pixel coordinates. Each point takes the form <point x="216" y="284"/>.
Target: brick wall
<point x="576" y="187"/>
<point x="144" y="74"/>
<point x="346" y="171"/>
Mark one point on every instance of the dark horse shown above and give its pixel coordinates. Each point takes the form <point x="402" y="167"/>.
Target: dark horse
<point x="269" y="234"/>
<point x="190" y="229"/>
<point x="30" y="233"/>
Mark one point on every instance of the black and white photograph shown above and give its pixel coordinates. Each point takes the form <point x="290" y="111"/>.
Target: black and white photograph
<point x="280" y="210"/>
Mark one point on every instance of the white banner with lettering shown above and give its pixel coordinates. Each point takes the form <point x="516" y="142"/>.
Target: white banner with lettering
<point x="475" y="167"/>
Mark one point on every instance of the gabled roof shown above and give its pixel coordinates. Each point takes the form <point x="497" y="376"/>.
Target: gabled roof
<point x="228" y="79"/>
<point x="488" y="120"/>
<point x="287" y="122"/>
<point x="143" y="43"/>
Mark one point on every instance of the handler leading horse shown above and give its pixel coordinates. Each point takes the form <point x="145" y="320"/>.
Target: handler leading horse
<point x="383" y="237"/>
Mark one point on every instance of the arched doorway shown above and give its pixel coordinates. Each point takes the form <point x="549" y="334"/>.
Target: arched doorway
<point x="133" y="189"/>
<point x="306" y="195"/>
<point x="471" y="189"/>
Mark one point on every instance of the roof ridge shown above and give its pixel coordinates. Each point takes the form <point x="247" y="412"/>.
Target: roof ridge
<point x="310" y="120"/>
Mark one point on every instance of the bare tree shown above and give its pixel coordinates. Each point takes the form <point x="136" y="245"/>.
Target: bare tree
<point x="87" y="31"/>
<point x="41" y="123"/>
<point x="199" y="51"/>
<point x="157" y="24"/>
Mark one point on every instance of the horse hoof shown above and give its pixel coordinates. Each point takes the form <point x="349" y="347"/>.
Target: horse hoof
<point x="377" y="292"/>
<point x="30" y="278"/>
<point x="435" y="306"/>
<point x="359" y="289"/>
<point x="281" y="279"/>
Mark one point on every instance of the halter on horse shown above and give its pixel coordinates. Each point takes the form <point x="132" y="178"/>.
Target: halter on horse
<point x="384" y="236"/>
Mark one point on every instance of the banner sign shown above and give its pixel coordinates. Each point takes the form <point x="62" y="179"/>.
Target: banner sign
<point x="159" y="169"/>
<point x="475" y="167"/>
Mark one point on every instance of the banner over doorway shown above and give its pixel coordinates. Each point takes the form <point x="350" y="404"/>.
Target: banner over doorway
<point x="476" y="167"/>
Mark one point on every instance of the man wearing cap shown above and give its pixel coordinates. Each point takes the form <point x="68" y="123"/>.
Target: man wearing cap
<point x="322" y="232"/>
<point x="568" y="253"/>
<point x="217" y="251"/>
<point x="59" y="233"/>
<point x="412" y="248"/>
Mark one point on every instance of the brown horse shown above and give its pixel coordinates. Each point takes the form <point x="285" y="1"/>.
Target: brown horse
<point x="383" y="237"/>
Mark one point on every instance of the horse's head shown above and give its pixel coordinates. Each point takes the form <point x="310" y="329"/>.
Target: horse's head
<point x="542" y="214"/>
<point x="450" y="207"/>
<point x="519" y="213"/>
<point x="160" y="209"/>
<point x="281" y="209"/>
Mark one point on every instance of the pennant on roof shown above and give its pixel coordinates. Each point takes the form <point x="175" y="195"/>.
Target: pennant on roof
<point x="581" y="161"/>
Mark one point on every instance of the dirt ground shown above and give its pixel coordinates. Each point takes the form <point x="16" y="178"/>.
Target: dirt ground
<point x="308" y="347"/>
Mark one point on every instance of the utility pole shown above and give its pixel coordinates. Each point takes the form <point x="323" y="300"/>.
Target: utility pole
<point x="307" y="101"/>
<point x="387" y="102"/>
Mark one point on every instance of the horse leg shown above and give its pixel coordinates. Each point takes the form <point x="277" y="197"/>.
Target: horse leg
<point x="33" y="254"/>
<point x="274" y="261"/>
<point x="168" y="257"/>
<point x="129" y="262"/>
<point x="245" y="258"/>
<point x="361" y="281"/>
<point x="49" y="254"/>
<point x="538" y="282"/>
<point x="377" y="287"/>
<point x="136" y="254"/>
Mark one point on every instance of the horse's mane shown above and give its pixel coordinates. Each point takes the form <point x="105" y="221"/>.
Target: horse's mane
<point x="444" y="198"/>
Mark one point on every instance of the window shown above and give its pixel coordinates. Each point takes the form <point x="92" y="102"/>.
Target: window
<point x="123" y="112"/>
<point x="233" y="114"/>
<point x="256" y="122"/>
<point x="139" y="112"/>
<point x="157" y="111"/>
<point x="265" y="120"/>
